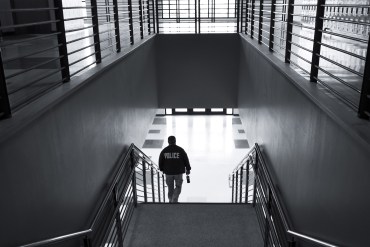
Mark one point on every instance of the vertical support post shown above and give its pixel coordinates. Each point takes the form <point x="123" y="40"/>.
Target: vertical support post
<point x="255" y="166"/>
<point x="144" y="181"/>
<point x="232" y="190"/>
<point x="157" y="14"/>
<point x="237" y="15"/>
<point x="260" y="22"/>
<point x="236" y="186"/>
<point x="116" y="25"/>
<point x="246" y="16"/>
<point x="117" y="217"/>
<point x="141" y="19"/>
<point x="268" y="214"/>
<point x="133" y="166"/>
<point x="130" y="22"/>
<point x="63" y="52"/>
<point x="247" y="182"/>
<point x="87" y="242"/>
<point x="195" y="16"/>
<point x="152" y="178"/>
<point x="272" y="25"/>
<point x="148" y="16"/>
<point x="288" y="44"/>
<point x="319" y="22"/>
<point x="164" y="191"/>
<point x="241" y="184"/>
<point x="95" y="22"/>
<point x="199" y="16"/>
<point x="365" y="90"/>
<point x="252" y="19"/>
<point x="159" y="187"/>
<point x="5" y="111"/>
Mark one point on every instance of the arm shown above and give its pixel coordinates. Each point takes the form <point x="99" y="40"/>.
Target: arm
<point x="186" y="162"/>
<point x="160" y="162"/>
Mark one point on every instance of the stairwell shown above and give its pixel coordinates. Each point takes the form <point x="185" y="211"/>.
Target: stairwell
<point x="194" y="224"/>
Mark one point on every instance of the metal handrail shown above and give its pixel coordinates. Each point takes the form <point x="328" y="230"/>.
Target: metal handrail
<point x="262" y="165"/>
<point x="93" y="225"/>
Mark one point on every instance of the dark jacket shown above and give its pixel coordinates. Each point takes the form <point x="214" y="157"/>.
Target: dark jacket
<point x="173" y="160"/>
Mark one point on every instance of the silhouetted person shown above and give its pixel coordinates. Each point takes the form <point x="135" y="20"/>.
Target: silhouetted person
<point x="174" y="162"/>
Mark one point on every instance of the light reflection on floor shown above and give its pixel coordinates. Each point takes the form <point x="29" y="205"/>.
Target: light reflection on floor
<point x="209" y="142"/>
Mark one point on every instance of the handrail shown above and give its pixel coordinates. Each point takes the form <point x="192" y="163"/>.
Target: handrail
<point x="262" y="165"/>
<point x="86" y="232"/>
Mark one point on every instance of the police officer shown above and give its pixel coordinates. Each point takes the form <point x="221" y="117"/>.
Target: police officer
<point x="174" y="162"/>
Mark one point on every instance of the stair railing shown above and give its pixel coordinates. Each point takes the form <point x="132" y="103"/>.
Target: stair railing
<point x="252" y="184"/>
<point x="138" y="180"/>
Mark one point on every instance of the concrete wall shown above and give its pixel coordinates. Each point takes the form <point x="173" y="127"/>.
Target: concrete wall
<point x="54" y="170"/>
<point x="197" y="70"/>
<point x="321" y="169"/>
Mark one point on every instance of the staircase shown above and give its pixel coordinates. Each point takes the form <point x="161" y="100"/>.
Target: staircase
<point x="193" y="224"/>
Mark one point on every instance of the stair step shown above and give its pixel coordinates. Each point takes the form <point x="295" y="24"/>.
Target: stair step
<point x="194" y="225"/>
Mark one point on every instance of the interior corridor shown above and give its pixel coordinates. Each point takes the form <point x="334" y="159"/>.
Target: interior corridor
<point x="215" y="144"/>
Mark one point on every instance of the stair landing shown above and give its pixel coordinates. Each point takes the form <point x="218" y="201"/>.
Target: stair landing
<point x="194" y="225"/>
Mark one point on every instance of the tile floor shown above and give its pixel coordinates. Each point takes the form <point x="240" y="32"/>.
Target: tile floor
<point x="214" y="144"/>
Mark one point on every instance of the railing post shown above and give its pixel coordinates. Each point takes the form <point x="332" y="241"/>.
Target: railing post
<point x="164" y="191"/>
<point x="241" y="184"/>
<point x="152" y="178"/>
<point x="319" y="22"/>
<point x="141" y="19"/>
<point x="199" y="16"/>
<point x="232" y="189"/>
<point x="118" y="218"/>
<point x="365" y="90"/>
<point x="272" y="25"/>
<point x="157" y="14"/>
<point x="87" y="242"/>
<point x="267" y="216"/>
<point x="133" y="166"/>
<point x="246" y="16"/>
<point x="159" y="187"/>
<point x="116" y="26"/>
<point x="252" y="19"/>
<point x="247" y="182"/>
<point x="131" y="25"/>
<point x="5" y="111"/>
<point x="95" y="22"/>
<point x="195" y="16"/>
<point x="288" y="44"/>
<point x="148" y="16"/>
<point x="292" y="243"/>
<point x="260" y="22"/>
<point x="255" y="179"/>
<point x="63" y="52"/>
<point x="236" y="185"/>
<point x="238" y="15"/>
<point x="144" y="181"/>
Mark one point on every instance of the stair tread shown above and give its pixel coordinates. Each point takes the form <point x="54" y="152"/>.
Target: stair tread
<point x="194" y="225"/>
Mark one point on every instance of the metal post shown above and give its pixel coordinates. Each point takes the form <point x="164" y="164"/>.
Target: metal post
<point x="199" y="16"/>
<point x="195" y="16"/>
<point x="144" y="181"/>
<point x="260" y="22"/>
<point x="116" y="26"/>
<point x="118" y="217"/>
<point x="95" y="22"/>
<point x="164" y="191"/>
<point x="148" y="16"/>
<point x="141" y="19"/>
<point x="232" y="190"/>
<point x="272" y="25"/>
<point x="159" y="187"/>
<point x="240" y="29"/>
<point x="365" y="90"/>
<point x="133" y="166"/>
<point x="288" y="44"/>
<point x="319" y="22"/>
<point x="156" y="14"/>
<point x="63" y="52"/>
<point x="247" y="183"/>
<point x="246" y="16"/>
<point x="236" y="186"/>
<point x="255" y="180"/>
<point x="237" y="15"/>
<point x="268" y="214"/>
<point x="87" y="242"/>
<point x="241" y="184"/>
<point x="5" y="111"/>
<point x="252" y="19"/>
<point x="152" y="178"/>
<point x="131" y="26"/>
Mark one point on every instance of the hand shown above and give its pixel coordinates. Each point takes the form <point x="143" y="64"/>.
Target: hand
<point x="187" y="172"/>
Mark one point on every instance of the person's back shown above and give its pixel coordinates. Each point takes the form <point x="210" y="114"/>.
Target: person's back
<point x="174" y="162"/>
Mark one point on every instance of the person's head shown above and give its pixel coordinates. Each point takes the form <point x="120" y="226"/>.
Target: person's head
<point x="171" y="140"/>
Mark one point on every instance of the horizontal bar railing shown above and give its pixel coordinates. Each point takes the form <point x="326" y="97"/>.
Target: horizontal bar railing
<point x="326" y="43"/>
<point x="72" y="39"/>
<point x="137" y="180"/>
<point x="251" y="183"/>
